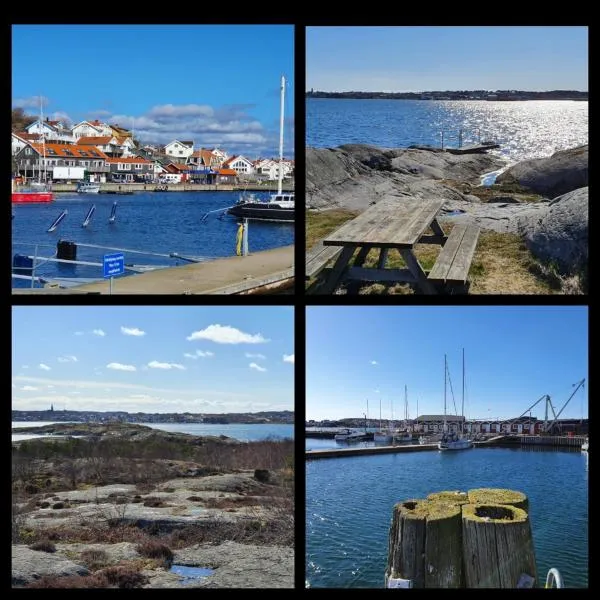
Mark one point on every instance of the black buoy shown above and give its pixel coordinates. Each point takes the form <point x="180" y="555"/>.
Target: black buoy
<point x="66" y="250"/>
<point x="22" y="264"/>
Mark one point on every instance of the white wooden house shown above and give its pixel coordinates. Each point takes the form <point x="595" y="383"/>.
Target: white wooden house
<point x="179" y="150"/>
<point x="240" y="164"/>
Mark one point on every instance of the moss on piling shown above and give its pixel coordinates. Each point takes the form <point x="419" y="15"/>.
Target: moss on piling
<point x="498" y="496"/>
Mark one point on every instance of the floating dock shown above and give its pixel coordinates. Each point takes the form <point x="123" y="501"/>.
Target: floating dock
<point x="266" y="272"/>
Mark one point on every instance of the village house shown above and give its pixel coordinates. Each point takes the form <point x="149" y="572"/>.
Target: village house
<point x="31" y="162"/>
<point x="179" y="151"/>
<point x="227" y="176"/>
<point x="53" y="131"/>
<point x="20" y="139"/>
<point x="130" y="169"/>
<point x="240" y="164"/>
<point x="91" y="129"/>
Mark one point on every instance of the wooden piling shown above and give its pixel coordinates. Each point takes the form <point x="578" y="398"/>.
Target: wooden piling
<point x="497" y="545"/>
<point x="425" y="544"/>
<point x="454" y="497"/>
<point x="498" y="496"/>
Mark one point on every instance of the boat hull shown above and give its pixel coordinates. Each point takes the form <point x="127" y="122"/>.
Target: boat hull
<point x="262" y="213"/>
<point x="31" y="197"/>
<point x="455" y="445"/>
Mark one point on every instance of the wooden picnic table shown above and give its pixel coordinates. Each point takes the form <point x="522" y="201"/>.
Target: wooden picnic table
<point x="401" y="224"/>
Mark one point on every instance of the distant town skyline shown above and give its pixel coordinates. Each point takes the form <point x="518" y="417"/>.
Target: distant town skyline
<point x="420" y="59"/>
<point x="153" y="358"/>
<point x="218" y="85"/>
<point x="514" y="355"/>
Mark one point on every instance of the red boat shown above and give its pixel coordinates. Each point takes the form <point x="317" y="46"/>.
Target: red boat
<point x="36" y="192"/>
<point x="31" y="196"/>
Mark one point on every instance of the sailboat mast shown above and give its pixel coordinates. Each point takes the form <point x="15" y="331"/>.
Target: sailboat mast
<point x="280" y="181"/>
<point x="445" y="379"/>
<point x="462" y="426"/>
<point x="43" y="140"/>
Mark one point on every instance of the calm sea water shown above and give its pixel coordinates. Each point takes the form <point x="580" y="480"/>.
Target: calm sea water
<point x="349" y="504"/>
<point x="155" y="222"/>
<point x="238" y="431"/>
<point x="527" y="129"/>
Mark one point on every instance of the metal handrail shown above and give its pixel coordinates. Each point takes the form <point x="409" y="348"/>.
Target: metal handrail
<point x="554" y="577"/>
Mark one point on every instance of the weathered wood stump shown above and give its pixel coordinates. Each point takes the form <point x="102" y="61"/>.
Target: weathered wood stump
<point x="425" y="544"/>
<point x="498" y="496"/>
<point x="497" y="545"/>
<point x="453" y="497"/>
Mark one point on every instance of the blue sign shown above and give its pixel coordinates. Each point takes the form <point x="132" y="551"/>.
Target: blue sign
<point x="114" y="264"/>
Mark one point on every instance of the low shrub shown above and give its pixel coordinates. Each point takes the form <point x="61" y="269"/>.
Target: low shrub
<point x="124" y="578"/>
<point x="153" y="549"/>
<point x="43" y="546"/>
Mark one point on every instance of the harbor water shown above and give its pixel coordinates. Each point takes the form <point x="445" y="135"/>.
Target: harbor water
<point x="524" y="129"/>
<point x="349" y="504"/>
<point x="160" y="223"/>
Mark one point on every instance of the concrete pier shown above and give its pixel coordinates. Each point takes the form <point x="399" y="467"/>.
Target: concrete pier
<point x="266" y="272"/>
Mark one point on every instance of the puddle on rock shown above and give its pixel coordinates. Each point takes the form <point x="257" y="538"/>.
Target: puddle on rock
<point x="190" y="574"/>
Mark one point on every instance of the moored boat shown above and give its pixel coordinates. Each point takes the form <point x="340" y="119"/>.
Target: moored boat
<point x="25" y="196"/>
<point x="88" y="187"/>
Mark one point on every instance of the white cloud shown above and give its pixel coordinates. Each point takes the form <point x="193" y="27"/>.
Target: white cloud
<point x="250" y="355"/>
<point x="161" y="365"/>
<point x="288" y="358"/>
<point x="374" y="362"/>
<point x="224" y="334"/>
<point x="29" y="388"/>
<point x="132" y="331"/>
<point x="257" y="367"/>
<point x="67" y="358"/>
<point x="199" y="354"/>
<point x="44" y="367"/>
<point x="99" y="332"/>
<point x="120" y="367"/>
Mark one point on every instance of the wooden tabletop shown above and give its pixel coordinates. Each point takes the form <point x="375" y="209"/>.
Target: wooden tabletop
<point x="391" y="223"/>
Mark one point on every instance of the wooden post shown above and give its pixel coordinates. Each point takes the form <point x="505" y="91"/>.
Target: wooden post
<point x="498" y="496"/>
<point x="425" y="545"/>
<point x="452" y="497"/>
<point x="497" y="545"/>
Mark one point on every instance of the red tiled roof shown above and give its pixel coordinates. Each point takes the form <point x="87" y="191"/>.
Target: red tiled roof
<point x="228" y="161"/>
<point x="27" y="136"/>
<point x="227" y="172"/>
<point x="69" y="151"/>
<point x="94" y="140"/>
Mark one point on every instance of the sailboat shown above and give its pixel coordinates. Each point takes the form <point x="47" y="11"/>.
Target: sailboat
<point x="382" y="436"/>
<point x="453" y="441"/>
<point x="280" y="206"/>
<point x="404" y="436"/>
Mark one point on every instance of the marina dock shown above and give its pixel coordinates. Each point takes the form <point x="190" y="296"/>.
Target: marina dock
<point x="266" y="272"/>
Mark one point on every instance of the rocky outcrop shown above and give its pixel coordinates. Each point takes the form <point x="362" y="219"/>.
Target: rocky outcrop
<point x="560" y="233"/>
<point x="563" y="172"/>
<point x="29" y="565"/>
<point x="354" y="176"/>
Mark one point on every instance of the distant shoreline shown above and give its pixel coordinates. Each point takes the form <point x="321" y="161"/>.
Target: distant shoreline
<point x="500" y="96"/>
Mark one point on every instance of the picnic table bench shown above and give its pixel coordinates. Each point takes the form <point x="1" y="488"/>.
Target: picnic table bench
<point x="399" y="224"/>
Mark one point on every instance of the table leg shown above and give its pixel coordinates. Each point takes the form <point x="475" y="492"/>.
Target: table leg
<point x="338" y="268"/>
<point x="382" y="258"/>
<point x="362" y="256"/>
<point x="415" y="268"/>
<point x="437" y="229"/>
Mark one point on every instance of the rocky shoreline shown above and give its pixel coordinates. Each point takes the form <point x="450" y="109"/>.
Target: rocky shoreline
<point x="545" y="201"/>
<point x="178" y="523"/>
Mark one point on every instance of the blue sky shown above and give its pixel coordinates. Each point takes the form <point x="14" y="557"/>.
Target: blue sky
<point x="153" y="358"/>
<point x="218" y="85"/>
<point x="513" y="356"/>
<point x="416" y="59"/>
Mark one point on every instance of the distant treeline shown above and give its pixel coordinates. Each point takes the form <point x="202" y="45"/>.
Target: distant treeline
<point x="283" y="417"/>
<point x="456" y="95"/>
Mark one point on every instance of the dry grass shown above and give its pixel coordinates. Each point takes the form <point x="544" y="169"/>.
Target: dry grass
<point x="502" y="264"/>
